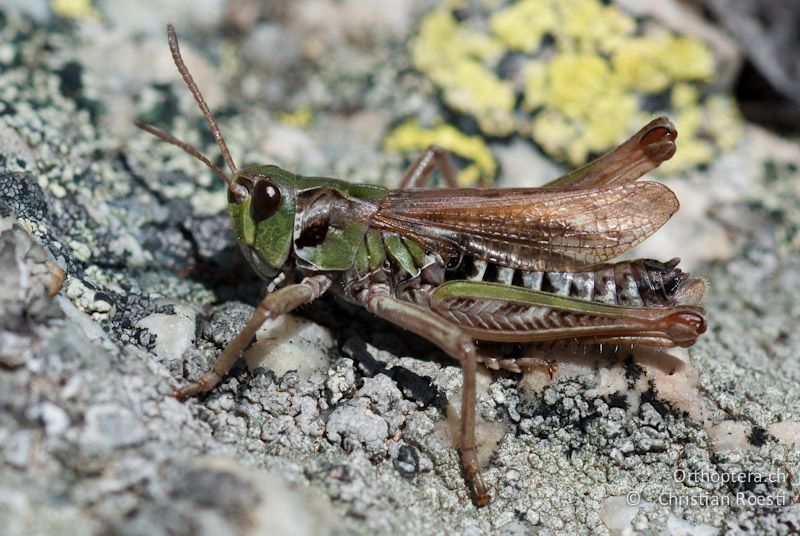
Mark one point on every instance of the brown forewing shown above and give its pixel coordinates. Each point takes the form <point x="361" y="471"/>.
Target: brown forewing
<point x="529" y="228"/>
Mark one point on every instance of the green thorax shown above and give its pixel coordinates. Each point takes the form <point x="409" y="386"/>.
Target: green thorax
<point x="273" y="239"/>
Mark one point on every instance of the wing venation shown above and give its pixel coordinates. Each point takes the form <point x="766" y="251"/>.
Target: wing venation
<point x="537" y="229"/>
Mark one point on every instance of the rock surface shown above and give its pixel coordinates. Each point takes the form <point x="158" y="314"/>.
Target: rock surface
<point x="355" y="439"/>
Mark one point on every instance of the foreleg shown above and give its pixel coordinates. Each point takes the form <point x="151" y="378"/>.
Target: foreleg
<point x="279" y="302"/>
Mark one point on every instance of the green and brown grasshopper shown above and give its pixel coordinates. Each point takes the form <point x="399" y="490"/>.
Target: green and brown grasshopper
<point x="463" y="267"/>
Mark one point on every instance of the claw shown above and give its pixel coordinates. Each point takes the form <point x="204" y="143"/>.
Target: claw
<point x="205" y="383"/>
<point x="182" y="393"/>
<point x="481" y="495"/>
<point x="469" y="460"/>
<point x="552" y="369"/>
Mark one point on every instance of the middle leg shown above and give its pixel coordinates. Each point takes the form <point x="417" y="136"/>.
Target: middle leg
<point x="419" y="173"/>
<point x="458" y="345"/>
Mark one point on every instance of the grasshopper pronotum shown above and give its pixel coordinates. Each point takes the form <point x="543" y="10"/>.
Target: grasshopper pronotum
<point x="460" y="266"/>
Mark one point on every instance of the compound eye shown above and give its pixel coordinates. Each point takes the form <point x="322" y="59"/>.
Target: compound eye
<point x="266" y="199"/>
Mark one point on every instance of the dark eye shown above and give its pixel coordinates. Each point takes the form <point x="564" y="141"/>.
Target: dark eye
<point x="265" y="201"/>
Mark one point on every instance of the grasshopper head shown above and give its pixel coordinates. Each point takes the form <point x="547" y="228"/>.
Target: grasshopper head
<point x="261" y="202"/>
<point x="260" y="198"/>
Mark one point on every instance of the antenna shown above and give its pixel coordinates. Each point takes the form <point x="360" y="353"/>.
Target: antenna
<point x="172" y="38"/>
<point x="169" y="138"/>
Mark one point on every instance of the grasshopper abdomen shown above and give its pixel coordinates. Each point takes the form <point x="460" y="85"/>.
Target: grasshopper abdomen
<point x="640" y="282"/>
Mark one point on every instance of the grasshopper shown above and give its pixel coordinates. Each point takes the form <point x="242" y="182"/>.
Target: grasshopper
<point x="465" y="268"/>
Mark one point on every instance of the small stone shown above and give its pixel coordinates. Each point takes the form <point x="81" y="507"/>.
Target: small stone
<point x="308" y="420"/>
<point x="56" y="420"/>
<point x="341" y="379"/>
<point x="407" y="461"/>
<point x="175" y="333"/>
<point x="355" y="426"/>
<point x="290" y="343"/>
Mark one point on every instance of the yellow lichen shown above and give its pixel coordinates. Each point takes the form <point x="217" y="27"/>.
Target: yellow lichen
<point x="724" y="123"/>
<point x="452" y="55"/>
<point x="683" y="96"/>
<point x="536" y="85"/>
<point x="595" y="112"/>
<point x="610" y="121"/>
<point x="637" y="69"/>
<point x="703" y="130"/>
<point x="692" y="149"/>
<point x="410" y="136"/>
<point x="589" y="26"/>
<point x="522" y="26"/>
<point x="479" y="92"/>
<point x="687" y="59"/>
<point x="591" y="76"/>
<point x="303" y="117"/>
<point x="577" y="81"/>
<point x="555" y="135"/>
<point x="75" y="9"/>
<point x="652" y="64"/>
